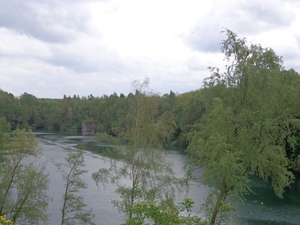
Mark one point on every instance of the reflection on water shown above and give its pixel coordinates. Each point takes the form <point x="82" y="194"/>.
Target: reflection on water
<point x="262" y="208"/>
<point x="265" y="208"/>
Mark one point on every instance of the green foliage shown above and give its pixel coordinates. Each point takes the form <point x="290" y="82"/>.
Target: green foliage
<point x="29" y="104"/>
<point x="74" y="209"/>
<point x="4" y="128"/>
<point x="162" y="214"/>
<point x="3" y="221"/>
<point x="191" y="112"/>
<point x="10" y="108"/>
<point x="29" y="181"/>
<point x="246" y="121"/>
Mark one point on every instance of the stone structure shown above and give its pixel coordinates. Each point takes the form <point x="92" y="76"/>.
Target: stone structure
<point x="88" y="127"/>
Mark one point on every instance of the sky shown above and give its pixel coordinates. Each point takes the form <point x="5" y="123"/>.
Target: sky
<point x="52" y="48"/>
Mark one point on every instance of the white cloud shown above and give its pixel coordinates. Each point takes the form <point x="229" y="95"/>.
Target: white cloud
<point x="243" y="17"/>
<point x="51" y="48"/>
<point x="20" y="45"/>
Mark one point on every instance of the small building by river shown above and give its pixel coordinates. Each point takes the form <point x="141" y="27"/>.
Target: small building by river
<point x="88" y="127"/>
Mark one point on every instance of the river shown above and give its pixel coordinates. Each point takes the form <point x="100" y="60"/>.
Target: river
<point x="260" y="208"/>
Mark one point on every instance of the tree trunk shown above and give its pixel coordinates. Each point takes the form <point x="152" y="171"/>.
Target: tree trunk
<point x="221" y="198"/>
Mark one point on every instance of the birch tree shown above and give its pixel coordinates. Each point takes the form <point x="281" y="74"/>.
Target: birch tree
<point x="138" y="156"/>
<point x="74" y="210"/>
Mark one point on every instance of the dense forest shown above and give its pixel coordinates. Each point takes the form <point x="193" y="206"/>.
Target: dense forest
<point x="280" y="92"/>
<point x="242" y="122"/>
<point x="67" y="114"/>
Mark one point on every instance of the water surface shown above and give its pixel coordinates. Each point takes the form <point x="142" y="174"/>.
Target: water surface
<point x="259" y="209"/>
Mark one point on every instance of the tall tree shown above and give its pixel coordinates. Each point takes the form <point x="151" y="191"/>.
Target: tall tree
<point x="29" y="109"/>
<point x="30" y="182"/>
<point x="74" y="209"/>
<point x="242" y="131"/>
<point x="139" y="149"/>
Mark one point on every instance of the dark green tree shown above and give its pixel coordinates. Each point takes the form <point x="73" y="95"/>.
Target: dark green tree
<point x="29" y="104"/>
<point x="11" y="109"/>
<point x="4" y="129"/>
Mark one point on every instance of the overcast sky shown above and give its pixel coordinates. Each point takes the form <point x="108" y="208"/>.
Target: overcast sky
<point x="51" y="48"/>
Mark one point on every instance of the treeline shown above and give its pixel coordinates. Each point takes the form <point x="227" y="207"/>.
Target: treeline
<point x="68" y="113"/>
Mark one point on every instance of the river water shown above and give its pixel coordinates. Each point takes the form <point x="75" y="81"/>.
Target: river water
<point x="258" y="209"/>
